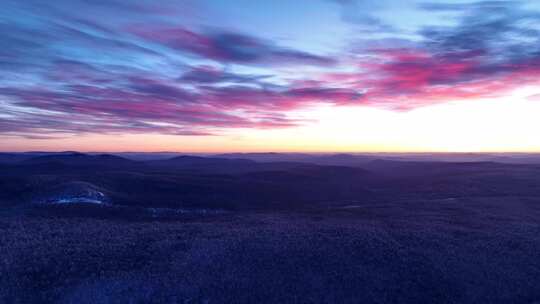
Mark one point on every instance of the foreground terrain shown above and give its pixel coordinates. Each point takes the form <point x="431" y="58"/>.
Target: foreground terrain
<point x="219" y="231"/>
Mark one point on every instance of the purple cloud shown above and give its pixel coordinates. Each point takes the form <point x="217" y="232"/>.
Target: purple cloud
<point x="230" y="47"/>
<point x="82" y="67"/>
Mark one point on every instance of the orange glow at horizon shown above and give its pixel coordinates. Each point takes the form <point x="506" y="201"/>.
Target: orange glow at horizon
<point x="507" y="124"/>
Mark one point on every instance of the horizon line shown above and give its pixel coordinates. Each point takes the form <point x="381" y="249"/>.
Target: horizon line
<point x="280" y="152"/>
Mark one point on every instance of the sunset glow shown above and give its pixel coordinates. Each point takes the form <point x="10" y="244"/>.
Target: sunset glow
<point x="328" y="75"/>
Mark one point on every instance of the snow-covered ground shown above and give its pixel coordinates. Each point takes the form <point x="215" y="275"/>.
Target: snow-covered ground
<point x="72" y="193"/>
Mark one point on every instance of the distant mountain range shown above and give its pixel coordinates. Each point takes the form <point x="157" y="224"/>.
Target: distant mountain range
<point x="339" y="159"/>
<point x="253" y="181"/>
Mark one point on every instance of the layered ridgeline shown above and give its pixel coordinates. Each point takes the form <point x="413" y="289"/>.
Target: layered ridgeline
<point x="257" y="181"/>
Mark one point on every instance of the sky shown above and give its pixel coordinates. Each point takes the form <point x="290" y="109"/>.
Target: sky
<point x="281" y="75"/>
